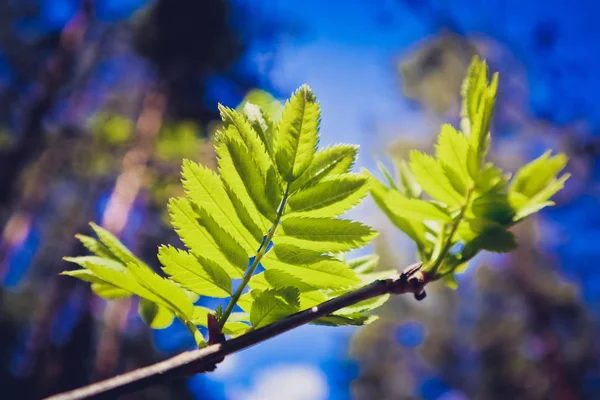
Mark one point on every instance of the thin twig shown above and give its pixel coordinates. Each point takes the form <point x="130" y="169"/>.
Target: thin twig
<point x="198" y="361"/>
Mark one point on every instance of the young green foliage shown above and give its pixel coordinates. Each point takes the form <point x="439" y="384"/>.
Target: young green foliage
<point x="275" y="206"/>
<point x="456" y="204"/>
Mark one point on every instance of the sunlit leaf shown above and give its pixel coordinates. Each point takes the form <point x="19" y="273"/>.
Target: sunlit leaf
<point x="262" y="124"/>
<point x="329" y="198"/>
<point x="155" y="316"/>
<point x="115" y="246"/>
<point x="430" y="175"/>
<point x="205" y="188"/>
<point x="342" y="320"/>
<point x="297" y="137"/>
<point x="272" y="305"/>
<point x="408" y="184"/>
<point x="198" y="274"/>
<point x="364" y="264"/>
<point x="200" y="241"/>
<point x="330" y="161"/>
<point x="538" y="174"/>
<point x="95" y="246"/>
<point x="317" y="271"/>
<point x="414" y="230"/>
<point x="325" y="234"/>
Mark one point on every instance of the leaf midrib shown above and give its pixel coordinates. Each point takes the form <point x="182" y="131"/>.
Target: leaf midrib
<point x="184" y="267"/>
<point x="239" y="229"/>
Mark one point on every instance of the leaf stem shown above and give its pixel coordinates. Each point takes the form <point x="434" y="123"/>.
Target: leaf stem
<point x="200" y="342"/>
<point x="259" y="255"/>
<point x="448" y="244"/>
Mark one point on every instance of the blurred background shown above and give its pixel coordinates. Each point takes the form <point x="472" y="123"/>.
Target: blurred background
<point x="100" y="101"/>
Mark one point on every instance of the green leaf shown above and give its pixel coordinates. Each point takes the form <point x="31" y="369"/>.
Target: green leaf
<point x="478" y="106"/>
<point x="494" y="207"/>
<point x="200" y="315"/>
<point x="238" y="184"/>
<point x="538" y="174"/>
<point x="491" y="180"/>
<point x="244" y="215"/>
<point x="325" y="234"/>
<point x="198" y="274"/>
<point x="115" y="274"/>
<point x="237" y="126"/>
<point x="296" y="255"/>
<point x="470" y="93"/>
<point x="330" y="161"/>
<point x="343" y="320"/>
<point x="408" y="184"/>
<point x="233" y="327"/>
<point x="155" y="316"/>
<point x="84" y="261"/>
<point x="497" y="240"/>
<point x="364" y="264"/>
<point x="329" y="198"/>
<point x="432" y="178"/>
<point x="84" y="274"/>
<point x="239" y="317"/>
<point x="230" y="218"/>
<point x="99" y="286"/>
<point x="117" y="248"/>
<point x="233" y="153"/>
<point x="205" y="189"/>
<point x="272" y="305"/>
<point x="279" y="279"/>
<point x="479" y="138"/>
<point x="297" y="138"/>
<point x="259" y="157"/>
<point x="388" y="176"/>
<point x="414" y="209"/>
<point x="245" y="302"/>
<point x="262" y="125"/>
<point x="168" y="293"/>
<point x="110" y="292"/>
<point x="364" y="306"/>
<point x="95" y="246"/>
<point x="450" y="281"/>
<point x="311" y="299"/>
<point x="377" y="275"/>
<point x="451" y="149"/>
<point x="233" y="251"/>
<point x="486" y="235"/>
<point x="540" y="200"/>
<point x="414" y="230"/>
<point x="200" y="241"/>
<point x="314" y="270"/>
<point x="451" y="152"/>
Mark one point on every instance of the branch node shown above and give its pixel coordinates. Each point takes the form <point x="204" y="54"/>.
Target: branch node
<point x="215" y="334"/>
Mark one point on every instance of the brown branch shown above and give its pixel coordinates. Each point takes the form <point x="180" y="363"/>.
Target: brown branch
<point x="198" y="361"/>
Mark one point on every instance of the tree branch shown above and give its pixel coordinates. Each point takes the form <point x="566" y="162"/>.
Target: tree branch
<point x="412" y="280"/>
